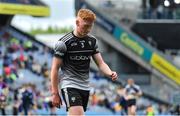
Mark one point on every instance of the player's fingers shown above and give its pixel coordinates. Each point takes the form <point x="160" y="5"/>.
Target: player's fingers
<point x="114" y="78"/>
<point x="114" y="74"/>
<point x="56" y="105"/>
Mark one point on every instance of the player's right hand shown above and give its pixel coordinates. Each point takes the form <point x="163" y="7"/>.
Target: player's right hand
<point x="56" y="100"/>
<point x="114" y="76"/>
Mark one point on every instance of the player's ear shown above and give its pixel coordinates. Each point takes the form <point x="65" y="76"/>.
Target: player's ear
<point x="77" y="22"/>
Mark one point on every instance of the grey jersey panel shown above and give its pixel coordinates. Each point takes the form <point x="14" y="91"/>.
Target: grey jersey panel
<point x="60" y="49"/>
<point x="76" y="54"/>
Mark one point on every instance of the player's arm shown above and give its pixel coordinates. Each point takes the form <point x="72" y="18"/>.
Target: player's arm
<point x="59" y="51"/>
<point x="103" y="67"/>
<point x="56" y="100"/>
<point x="139" y="93"/>
<point x="125" y="92"/>
<point x="56" y="63"/>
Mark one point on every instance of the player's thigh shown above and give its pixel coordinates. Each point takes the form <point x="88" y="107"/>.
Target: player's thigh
<point x="71" y="97"/>
<point x="76" y="110"/>
<point x="85" y="98"/>
<point x="133" y="109"/>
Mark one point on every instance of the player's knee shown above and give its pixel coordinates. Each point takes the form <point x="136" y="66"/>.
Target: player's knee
<point x="133" y="113"/>
<point x="76" y="110"/>
<point x="133" y="110"/>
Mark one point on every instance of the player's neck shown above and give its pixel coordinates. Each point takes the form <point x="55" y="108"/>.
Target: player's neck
<point x="75" y="32"/>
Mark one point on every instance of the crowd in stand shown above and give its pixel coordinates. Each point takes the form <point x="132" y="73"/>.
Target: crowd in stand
<point x="160" y="12"/>
<point x="17" y="54"/>
<point x="160" y="9"/>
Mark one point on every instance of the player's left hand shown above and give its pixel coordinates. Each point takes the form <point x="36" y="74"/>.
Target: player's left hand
<point x="114" y="76"/>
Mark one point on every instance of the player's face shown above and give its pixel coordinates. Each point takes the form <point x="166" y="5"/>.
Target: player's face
<point x="84" y="26"/>
<point x="130" y="81"/>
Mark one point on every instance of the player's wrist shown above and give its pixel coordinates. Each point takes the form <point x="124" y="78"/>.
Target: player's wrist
<point x="55" y="94"/>
<point x="109" y="74"/>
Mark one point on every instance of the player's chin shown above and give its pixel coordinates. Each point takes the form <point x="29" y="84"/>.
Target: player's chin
<point x="84" y="34"/>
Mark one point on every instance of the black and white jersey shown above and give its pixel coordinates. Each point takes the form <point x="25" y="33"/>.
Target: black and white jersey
<point x="132" y="89"/>
<point x="76" y="55"/>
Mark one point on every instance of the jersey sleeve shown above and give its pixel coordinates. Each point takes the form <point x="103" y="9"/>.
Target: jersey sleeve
<point x="60" y="49"/>
<point x="138" y="89"/>
<point x="126" y="88"/>
<point x="96" y="49"/>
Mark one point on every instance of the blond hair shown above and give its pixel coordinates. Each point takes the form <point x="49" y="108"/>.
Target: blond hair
<point x="86" y="14"/>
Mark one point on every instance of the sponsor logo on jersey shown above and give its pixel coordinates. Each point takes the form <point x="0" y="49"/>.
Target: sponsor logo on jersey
<point x="82" y="43"/>
<point x="79" y="57"/>
<point x="90" y="43"/>
<point x="74" y="44"/>
<point x="73" y="99"/>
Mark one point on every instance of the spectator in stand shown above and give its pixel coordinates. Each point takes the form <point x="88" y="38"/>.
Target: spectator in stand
<point x="1" y="63"/>
<point x="36" y="68"/>
<point x="17" y="102"/>
<point x="44" y="70"/>
<point x="28" y="45"/>
<point x="6" y="60"/>
<point x="7" y="71"/>
<point x="150" y="110"/>
<point x="29" y="62"/>
<point x="3" y="95"/>
<point x="27" y="100"/>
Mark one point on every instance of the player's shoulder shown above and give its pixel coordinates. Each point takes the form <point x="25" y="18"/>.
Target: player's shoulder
<point x="127" y="86"/>
<point x="92" y="37"/>
<point x="61" y="45"/>
<point x="137" y="86"/>
<point x="66" y="37"/>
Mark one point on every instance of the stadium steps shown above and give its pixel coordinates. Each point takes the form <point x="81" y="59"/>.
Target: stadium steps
<point x="26" y="76"/>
